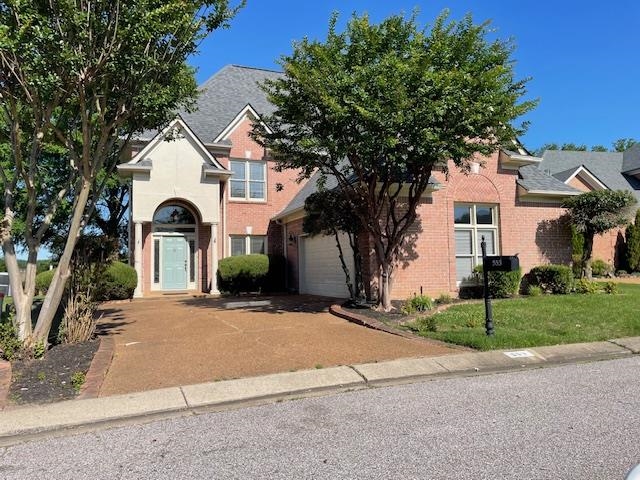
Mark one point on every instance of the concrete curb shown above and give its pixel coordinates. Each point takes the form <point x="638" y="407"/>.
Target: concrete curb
<point x="22" y="423"/>
<point x="98" y="369"/>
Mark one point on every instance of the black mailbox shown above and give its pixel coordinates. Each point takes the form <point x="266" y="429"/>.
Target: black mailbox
<point x="500" y="263"/>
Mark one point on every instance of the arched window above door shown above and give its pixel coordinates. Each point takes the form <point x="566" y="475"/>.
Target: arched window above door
<point x="173" y="215"/>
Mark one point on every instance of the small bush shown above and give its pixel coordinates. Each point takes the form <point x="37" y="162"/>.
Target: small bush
<point x="586" y="287"/>
<point x="557" y="279"/>
<point x="43" y="281"/>
<point x="502" y="284"/>
<point x="430" y="323"/>
<point x="610" y="288"/>
<point x="622" y="273"/>
<point x="444" y="299"/>
<point x="10" y="346"/>
<point x="600" y="268"/>
<point x="117" y="283"/>
<point x="417" y="303"/>
<point x="534" y="291"/>
<point x="251" y="273"/>
<point x="77" y="380"/>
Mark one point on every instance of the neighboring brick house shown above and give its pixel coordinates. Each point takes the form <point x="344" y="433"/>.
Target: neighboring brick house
<point x="211" y="192"/>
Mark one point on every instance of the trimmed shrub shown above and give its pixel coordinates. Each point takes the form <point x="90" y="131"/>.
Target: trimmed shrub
<point x="251" y="273"/>
<point x="633" y="244"/>
<point x="502" y="284"/>
<point x="556" y="279"/>
<point x="600" y="268"/>
<point x="117" y="283"/>
<point x="43" y="281"/>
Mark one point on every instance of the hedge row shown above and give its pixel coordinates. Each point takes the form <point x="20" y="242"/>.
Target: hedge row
<point x="251" y="273"/>
<point x="118" y="282"/>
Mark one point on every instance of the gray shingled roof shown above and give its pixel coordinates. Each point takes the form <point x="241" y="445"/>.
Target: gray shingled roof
<point x="631" y="158"/>
<point x="606" y="166"/>
<point x="222" y="98"/>
<point x="534" y="179"/>
<point x="311" y="186"/>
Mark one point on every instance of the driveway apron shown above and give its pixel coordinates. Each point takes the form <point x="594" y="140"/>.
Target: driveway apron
<point x="165" y="342"/>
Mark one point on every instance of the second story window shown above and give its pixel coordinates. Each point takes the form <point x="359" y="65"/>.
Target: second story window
<point x="249" y="180"/>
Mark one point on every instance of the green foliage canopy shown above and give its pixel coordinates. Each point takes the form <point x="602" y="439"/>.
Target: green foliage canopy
<point x="379" y="106"/>
<point x="599" y="211"/>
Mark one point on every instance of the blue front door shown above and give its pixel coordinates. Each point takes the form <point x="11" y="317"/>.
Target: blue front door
<point x="174" y="263"/>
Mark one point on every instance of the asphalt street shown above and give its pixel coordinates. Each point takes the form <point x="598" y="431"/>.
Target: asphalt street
<point x="570" y="422"/>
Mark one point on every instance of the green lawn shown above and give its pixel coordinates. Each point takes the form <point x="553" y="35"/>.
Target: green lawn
<point x="543" y="320"/>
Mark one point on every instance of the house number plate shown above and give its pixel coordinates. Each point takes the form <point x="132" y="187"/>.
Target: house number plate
<point x="519" y="354"/>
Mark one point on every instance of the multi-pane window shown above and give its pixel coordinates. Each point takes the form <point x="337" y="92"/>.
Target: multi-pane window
<point x="247" y="244"/>
<point x="249" y="180"/>
<point x="472" y="223"/>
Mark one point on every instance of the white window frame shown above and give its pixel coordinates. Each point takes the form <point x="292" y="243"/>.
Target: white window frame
<point x="473" y="227"/>
<point x="247" y="180"/>
<point x="247" y="243"/>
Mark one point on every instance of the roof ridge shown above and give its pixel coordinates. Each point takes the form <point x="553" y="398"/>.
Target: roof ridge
<point x="254" y="68"/>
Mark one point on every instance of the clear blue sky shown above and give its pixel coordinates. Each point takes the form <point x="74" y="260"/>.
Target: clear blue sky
<point x="583" y="56"/>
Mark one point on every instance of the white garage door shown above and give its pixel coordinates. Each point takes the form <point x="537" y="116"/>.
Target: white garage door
<point x="320" y="268"/>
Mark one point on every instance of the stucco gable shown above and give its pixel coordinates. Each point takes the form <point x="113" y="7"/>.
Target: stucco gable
<point x="178" y="128"/>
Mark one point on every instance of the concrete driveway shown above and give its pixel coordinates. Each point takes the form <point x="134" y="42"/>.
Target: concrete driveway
<point x="164" y="342"/>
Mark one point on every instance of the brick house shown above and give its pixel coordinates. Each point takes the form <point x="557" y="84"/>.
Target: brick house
<point x="203" y="190"/>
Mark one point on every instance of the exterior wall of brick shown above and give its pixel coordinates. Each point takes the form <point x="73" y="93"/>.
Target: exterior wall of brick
<point x="204" y="258"/>
<point x="293" y="229"/>
<point x="537" y="232"/>
<point x="147" y="240"/>
<point x="256" y="216"/>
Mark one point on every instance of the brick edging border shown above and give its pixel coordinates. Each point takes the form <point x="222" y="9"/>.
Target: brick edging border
<point x="374" y="324"/>
<point x="5" y="383"/>
<point x="98" y="369"/>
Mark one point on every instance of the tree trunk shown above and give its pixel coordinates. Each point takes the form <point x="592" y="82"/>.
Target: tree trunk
<point x="345" y="269"/>
<point x="22" y="293"/>
<point x="384" y="278"/>
<point x="586" y="256"/>
<point x="357" y="266"/>
<point x="62" y="273"/>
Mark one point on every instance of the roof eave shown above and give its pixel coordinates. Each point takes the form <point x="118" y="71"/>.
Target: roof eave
<point x="512" y="161"/>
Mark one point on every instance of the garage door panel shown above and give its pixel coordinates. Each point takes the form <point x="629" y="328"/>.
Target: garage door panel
<point x="320" y="268"/>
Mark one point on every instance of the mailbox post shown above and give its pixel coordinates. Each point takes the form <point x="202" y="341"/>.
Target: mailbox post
<point x="488" y="311"/>
<point x="493" y="264"/>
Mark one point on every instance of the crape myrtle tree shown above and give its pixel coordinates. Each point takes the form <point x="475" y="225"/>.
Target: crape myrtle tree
<point x="85" y="75"/>
<point x="328" y="212"/>
<point x="380" y="106"/>
<point x="597" y="212"/>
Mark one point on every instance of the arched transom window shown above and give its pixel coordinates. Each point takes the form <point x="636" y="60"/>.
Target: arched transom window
<point x="173" y="215"/>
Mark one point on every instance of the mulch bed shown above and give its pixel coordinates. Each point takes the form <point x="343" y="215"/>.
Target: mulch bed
<point x="395" y="316"/>
<point x="49" y="379"/>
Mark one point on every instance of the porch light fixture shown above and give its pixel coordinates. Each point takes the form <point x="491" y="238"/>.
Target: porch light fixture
<point x="292" y="240"/>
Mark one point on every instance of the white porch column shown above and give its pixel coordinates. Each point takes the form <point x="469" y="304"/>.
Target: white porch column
<point x="214" y="258"/>
<point x="137" y="262"/>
